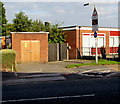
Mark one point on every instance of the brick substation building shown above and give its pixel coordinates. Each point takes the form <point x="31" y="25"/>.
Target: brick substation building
<point x="30" y="46"/>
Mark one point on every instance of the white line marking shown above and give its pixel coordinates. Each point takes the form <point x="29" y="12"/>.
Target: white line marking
<point x="48" y="98"/>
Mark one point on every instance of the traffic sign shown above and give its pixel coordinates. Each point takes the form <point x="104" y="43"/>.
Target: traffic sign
<point x="95" y="34"/>
<point x="95" y="20"/>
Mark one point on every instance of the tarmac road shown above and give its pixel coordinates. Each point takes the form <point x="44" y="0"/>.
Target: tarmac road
<point x="75" y="89"/>
<point x="82" y="91"/>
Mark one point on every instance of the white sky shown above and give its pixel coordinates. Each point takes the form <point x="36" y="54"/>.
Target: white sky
<point x="61" y="0"/>
<point x="71" y="12"/>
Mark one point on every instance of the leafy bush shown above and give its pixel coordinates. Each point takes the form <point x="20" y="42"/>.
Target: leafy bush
<point x="9" y="46"/>
<point x="7" y="59"/>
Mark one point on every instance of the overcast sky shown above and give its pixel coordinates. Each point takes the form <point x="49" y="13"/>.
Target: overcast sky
<point x="70" y="13"/>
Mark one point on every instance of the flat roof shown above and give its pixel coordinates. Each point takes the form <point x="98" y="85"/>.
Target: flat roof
<point x="42" y="32"/>
<point x="89" y="28"/>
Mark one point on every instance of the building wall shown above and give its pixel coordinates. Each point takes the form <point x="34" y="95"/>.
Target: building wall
<point x="75" y="38"/>
<point x="107" y="33"/>
<point x="42" y="36"/>
<point x="71" y="40"/>
<point x="114" y="41"/>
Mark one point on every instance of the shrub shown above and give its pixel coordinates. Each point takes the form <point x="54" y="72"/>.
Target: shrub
<point x="7" y="59"/>
<point x="9" y="46"/>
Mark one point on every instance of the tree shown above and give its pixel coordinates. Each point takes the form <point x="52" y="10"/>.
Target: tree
<point x="22" y="23"/>
<point x="9" y="28"/>
<point x="37" y="26"/>
<point x="56" y="34"/>
<point x="3" y="20"/>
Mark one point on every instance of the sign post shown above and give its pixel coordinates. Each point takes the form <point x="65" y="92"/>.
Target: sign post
<point x="94" y="29"/>
<point x="96" y="56"/>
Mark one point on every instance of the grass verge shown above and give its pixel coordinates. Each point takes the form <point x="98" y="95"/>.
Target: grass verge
<point x="100" y="62"/>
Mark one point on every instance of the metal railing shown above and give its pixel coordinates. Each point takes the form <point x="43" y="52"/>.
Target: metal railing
<point x="111" y="52"/>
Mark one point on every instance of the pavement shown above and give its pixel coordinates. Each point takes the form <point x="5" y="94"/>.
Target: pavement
<point x="52" y="71"/>
<point x="50" y="67"/>
<point x="97" y="68"/>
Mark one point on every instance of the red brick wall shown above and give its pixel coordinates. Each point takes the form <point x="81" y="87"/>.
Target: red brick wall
<point x="43" y="37"/>
<point x="74" y="39"/>
<point x="71" y="40"/>
<point x="107" y="40"/>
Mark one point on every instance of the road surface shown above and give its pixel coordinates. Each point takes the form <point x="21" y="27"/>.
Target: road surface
<point x="79" y="91"/>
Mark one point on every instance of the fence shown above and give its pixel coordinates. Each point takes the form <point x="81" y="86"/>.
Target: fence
<point x="57" y="51"/>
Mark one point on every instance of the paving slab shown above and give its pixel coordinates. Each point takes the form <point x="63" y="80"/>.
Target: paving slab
<point x="50" y="67"/>
<point x="97" y="68"/>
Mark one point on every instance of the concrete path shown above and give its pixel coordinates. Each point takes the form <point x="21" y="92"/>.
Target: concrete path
<point x="114" y="67"/>
<point x="50" y="67"/>
<point x="97" y="68"/>
<point x="59" y="67"/>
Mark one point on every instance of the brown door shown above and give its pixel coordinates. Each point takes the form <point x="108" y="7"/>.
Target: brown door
<point x="30" y="51"/>
<point x="35" y="51"/>
<point x="25" y="51"/>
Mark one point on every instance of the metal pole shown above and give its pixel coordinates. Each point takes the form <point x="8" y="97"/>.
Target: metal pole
<point x="96" y="56"/>
<point x="67" y="51"/>
<point x="95" y="34"/>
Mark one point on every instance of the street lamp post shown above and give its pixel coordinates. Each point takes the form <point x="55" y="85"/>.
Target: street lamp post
<point x="86" y="4"/>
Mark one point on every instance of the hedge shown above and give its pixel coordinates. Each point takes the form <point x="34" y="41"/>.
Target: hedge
<point x="7" y="59"/>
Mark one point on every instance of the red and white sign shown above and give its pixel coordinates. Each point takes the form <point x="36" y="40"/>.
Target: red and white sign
<point x="95" y="20"/>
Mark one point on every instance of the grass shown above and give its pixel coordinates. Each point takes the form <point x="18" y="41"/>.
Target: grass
<point x="100" y="62"/>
